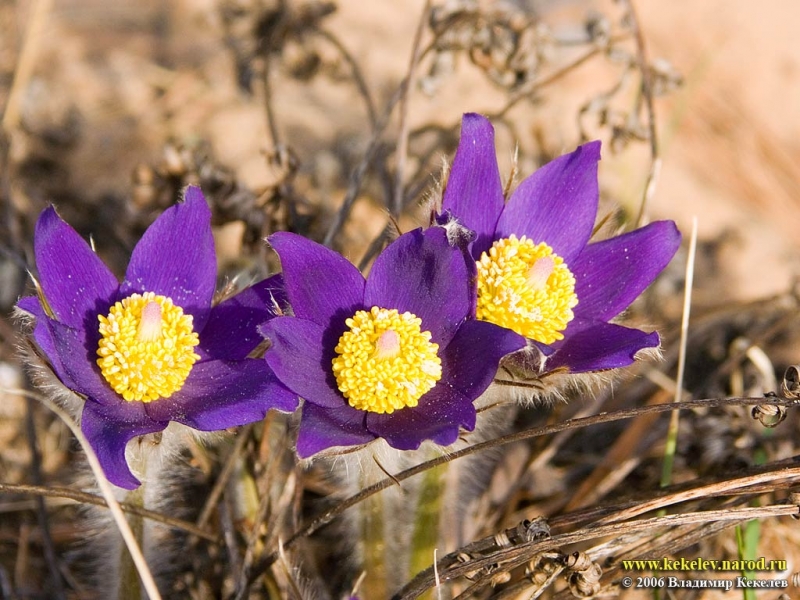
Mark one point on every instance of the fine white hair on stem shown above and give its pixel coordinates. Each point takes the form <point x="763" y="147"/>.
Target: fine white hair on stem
<point x="106" y="489"/>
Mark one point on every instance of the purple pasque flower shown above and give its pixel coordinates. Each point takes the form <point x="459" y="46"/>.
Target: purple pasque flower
<point x="537" y="272"/>
<point x="152" y="349"/>
<point x="397" y="356"/>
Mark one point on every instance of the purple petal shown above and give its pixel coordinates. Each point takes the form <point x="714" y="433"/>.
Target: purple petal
<point x="109" y="429"/>
<point x="301" y="357"/>
<point x="438" y="417"/>
<point x="73" y="278"/>
<point x="221" y="394"/>
<point x="43" y="336"/>
<point x="545" y="349"/>
<point x="31" y="305"/>
<point x="611" y="274"/>
<point x="323" y="428"/>
<point x="175" y="258"/>
<point x="470" y="361"/>
<point x="557" y="204"/>
<point x="421" y="273"/>
<point x="231" y="331"/>
<point x="474" y="192"/>
<point x="77" y="351"/>
<point x="322" y="286"/>
<point x="603" y="346"/>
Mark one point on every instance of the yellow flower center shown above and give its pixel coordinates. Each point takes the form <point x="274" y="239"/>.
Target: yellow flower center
<point x="524" y="287"/>
<point x="146" y="347"/>
<point x="384" y="361"/>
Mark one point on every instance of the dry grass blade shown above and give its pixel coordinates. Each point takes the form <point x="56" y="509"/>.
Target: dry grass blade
<point x="672" y="431"/>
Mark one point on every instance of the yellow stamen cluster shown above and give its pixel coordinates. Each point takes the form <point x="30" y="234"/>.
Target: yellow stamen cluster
<point x="524" y="287"/>
<point x="146" y="347"/>
<point x="384" y="361"/>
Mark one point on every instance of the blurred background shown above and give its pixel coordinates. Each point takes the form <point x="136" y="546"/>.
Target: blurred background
<point x="108" y="90"/>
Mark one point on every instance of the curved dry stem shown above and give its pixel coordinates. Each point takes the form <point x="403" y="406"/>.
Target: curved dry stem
<point x="105" y="488"/>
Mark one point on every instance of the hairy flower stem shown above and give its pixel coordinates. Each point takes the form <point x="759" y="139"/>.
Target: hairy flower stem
<point x="428" y="520"/>
<point x="385" y="523"/>
<point x="401" y="527"/>
<point x="373" y="535"/>
<point x="152" y="458"/>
